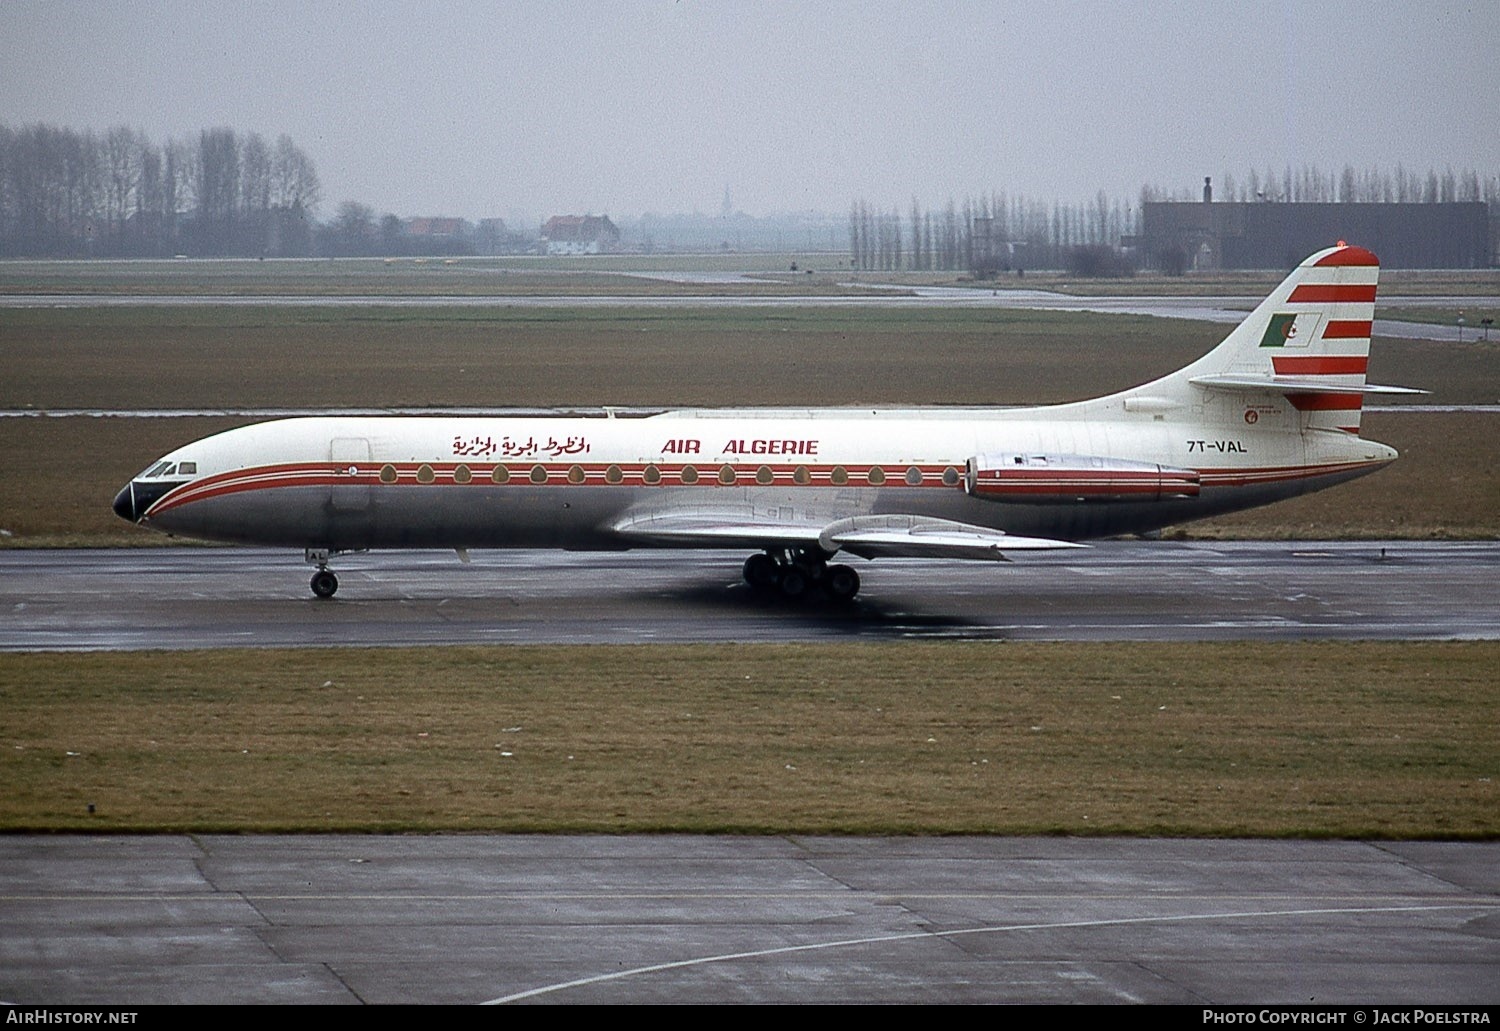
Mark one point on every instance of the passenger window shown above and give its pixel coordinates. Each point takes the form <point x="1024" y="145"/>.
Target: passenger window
<point x="876" y="476"/>
<point x="461" y="474"/>
<point x="613" y="474"/>
<point x="801" y="475"/>
<point x="575" y="474"/>
<point x="387" y="474"/>
<point x="539" y="473"/>
<point x="764" y="474"/>
<point x="499" y="474"/>
<point x="950" y="477"/>
<point x="651" y="475"/>
<point x="424" y="473"/>
<point x="726" y="475"/>
<point x="839" y="476"/>
<point x="689" y="474"/>
<point x="913" y="476"/>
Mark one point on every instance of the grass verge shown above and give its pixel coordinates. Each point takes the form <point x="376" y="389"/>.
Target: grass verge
<point x="1338" y="739"/>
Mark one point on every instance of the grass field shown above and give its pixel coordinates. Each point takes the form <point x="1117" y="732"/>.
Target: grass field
<point x="175" y="357"/>
<point x="1319" y="740"/>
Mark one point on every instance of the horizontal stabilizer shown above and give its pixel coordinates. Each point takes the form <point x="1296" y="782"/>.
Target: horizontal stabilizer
<point x="1293" y="385"/>
<point x="908" y="536"/>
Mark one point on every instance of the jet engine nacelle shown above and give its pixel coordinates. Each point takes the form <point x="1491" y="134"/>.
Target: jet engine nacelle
<point x="1049" y="479"/>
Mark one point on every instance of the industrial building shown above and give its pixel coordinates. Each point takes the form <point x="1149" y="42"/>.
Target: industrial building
<point x="1178" y="236"/>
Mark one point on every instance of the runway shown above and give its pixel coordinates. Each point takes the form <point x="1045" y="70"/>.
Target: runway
<point x="1117" y="590"/>
<point x="663" y="919"/>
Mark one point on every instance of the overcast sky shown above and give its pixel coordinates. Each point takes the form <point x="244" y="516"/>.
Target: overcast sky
<point x="623" y="107"/>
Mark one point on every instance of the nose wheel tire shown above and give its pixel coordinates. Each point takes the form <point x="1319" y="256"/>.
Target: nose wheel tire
<point x="324" y="583"/>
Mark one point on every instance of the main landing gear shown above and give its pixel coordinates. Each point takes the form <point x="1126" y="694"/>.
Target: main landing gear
<point x="793" y="573"/>
<point x="324" y="582"/>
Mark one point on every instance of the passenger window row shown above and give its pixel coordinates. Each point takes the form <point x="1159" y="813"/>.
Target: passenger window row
<point x="727" y="475"/>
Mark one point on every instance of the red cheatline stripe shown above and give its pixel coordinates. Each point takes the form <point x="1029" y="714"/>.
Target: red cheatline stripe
<point x="1103" y="475"/>
<point x="1347" y="329"/>
<point x="1320" y="364"/>
<point x="1120" y="481"/>
<point x="1318" y="293"/>
<point x="1349" y="256"/>
<point x="632" y="475"/>
<point x="1326" y="402"/>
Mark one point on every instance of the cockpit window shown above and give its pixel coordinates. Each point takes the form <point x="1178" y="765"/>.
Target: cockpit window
<point x="155" y="470"/>
<point x="187" y="469"/>
<point x="168" y="471"/>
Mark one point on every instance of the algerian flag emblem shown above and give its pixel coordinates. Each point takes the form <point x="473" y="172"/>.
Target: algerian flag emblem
<point x="1290" y="330"/>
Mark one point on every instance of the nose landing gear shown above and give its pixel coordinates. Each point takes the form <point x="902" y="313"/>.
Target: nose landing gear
<point x="794" y="573"/>
<point x="324" y="582"/>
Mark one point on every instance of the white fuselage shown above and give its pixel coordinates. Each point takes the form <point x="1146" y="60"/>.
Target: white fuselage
<point x="351" y="483"/>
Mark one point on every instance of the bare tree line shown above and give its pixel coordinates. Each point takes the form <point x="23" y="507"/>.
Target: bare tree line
<point x="1311" y="185"/>
<point x="66" y="193"/>
<point x="985" y="233"/>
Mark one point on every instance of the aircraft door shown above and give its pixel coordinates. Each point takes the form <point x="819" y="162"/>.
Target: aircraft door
<point x="350" y="491"/>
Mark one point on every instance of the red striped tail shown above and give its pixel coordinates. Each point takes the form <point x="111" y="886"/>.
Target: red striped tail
<point x="1336" y="289"/>
<point x="1303" y="351"/>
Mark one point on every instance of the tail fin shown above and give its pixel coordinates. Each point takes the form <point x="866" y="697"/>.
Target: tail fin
<point x="1309" y="341"/>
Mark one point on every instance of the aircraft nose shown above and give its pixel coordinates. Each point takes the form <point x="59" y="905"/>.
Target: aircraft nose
<point x="124" y="505"/>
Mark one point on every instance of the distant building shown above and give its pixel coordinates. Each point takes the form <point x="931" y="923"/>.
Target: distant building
<point x="437" y="229"/>
<point x="1177" y="236"/>
<point x="580" y="234"/>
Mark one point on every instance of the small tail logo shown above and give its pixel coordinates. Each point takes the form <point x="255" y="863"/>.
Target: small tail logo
<point x="1290" y="330"/>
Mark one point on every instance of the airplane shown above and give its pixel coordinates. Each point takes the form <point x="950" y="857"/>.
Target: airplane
<point x="1272" y="412"/>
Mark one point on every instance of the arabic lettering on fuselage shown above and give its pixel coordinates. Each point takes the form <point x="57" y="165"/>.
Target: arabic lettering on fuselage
<point x="553" y="447"/>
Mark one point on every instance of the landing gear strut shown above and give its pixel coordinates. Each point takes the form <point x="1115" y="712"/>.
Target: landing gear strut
<point x="794" y="572"/>
<point x="324" y="583"/>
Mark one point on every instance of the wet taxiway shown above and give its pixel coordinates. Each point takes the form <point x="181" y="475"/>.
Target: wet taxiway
<point x="474" y="919"/>
<point x="1116" y="590"/>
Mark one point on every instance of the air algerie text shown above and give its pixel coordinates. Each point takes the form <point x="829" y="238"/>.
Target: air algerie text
<point x="770" y="447"/>
<point x="741" y="446"/>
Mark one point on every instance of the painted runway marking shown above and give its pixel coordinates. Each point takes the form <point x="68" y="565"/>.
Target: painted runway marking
<point x="936" y="935"/>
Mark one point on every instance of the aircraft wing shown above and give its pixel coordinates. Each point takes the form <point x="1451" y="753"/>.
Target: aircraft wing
<point x="869" y="536"/>
<point x="909" y="536"/>
<point x="717" y="529"/>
